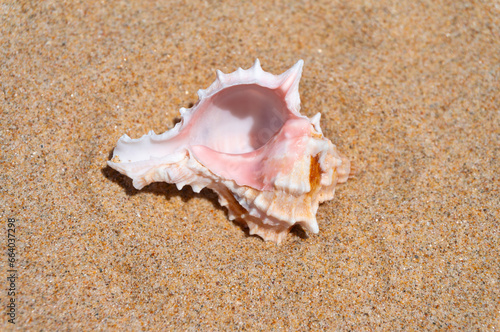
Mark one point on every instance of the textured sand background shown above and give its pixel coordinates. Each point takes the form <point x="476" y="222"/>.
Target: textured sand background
<point x="408" y="90"/>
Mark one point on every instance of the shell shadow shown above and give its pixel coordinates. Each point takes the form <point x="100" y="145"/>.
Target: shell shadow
<point x="299" y="232"/>
<point x="169" y="190"/>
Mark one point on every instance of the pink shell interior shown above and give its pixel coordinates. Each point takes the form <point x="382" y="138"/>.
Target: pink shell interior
<point x="246" y="127"/>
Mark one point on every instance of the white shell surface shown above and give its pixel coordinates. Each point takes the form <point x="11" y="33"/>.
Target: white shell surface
<point x="245" y="139"/>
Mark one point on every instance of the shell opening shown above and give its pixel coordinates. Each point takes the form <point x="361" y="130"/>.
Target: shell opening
<point x="240" y="119"/>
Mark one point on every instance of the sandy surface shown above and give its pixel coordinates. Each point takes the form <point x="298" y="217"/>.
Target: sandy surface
<point x="409" y="91"/>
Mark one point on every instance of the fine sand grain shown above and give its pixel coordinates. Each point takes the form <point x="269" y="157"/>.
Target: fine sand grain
<point x="410" y="91"/>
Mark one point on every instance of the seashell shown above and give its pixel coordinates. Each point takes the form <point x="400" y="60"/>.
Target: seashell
<point x="246" y="140"/>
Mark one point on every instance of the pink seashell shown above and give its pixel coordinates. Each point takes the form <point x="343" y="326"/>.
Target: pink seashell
<point x="246" y="140"/>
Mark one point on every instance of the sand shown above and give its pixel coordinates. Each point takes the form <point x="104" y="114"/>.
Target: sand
<point x="410" y="91"/>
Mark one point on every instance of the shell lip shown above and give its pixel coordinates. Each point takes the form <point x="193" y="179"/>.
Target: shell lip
<point x="287" y="83"/>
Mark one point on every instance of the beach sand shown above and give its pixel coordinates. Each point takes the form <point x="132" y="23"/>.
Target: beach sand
<point x="409" y="91"/>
